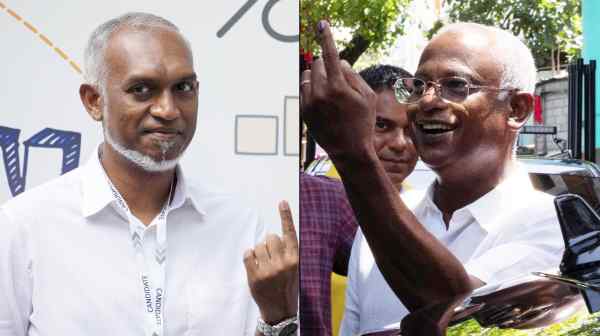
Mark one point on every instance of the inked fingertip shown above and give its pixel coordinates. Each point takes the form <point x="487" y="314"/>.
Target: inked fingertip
<point x="321" y="26"/>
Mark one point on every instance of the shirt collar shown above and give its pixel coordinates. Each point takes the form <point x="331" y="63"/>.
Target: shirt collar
<point x="97" y="193"/>
<point x="510" y="194"/>
<point x="513" y="193"/>
<point x="183" y="192"/>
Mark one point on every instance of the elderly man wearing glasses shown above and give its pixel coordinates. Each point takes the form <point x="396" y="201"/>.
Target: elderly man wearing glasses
<point x="481" y="222"/>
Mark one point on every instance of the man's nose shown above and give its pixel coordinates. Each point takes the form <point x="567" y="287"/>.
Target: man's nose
<point x="431" y="100"/>
<point x="165" y="107"/>
<point x="398" y="141"/>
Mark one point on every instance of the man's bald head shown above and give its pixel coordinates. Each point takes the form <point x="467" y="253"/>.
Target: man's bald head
<point x="95" y="68"/>
<point x="514" y="58"/>
<point x="480" y="126"/>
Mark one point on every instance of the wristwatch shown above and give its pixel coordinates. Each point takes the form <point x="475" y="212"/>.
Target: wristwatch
<point x="287" y="327"/>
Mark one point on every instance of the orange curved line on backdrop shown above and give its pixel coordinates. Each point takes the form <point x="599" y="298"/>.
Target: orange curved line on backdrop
<point x="43" y="37"/>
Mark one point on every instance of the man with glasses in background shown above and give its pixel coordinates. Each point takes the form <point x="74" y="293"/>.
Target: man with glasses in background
<point x="481" y="221"/>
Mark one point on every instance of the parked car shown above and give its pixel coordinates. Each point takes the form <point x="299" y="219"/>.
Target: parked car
<point x="554" y="176"/>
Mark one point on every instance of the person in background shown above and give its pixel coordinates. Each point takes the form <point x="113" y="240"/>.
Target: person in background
<point x="395" y="148"/>
<point x="327" y="230"/>
<point x="397" y="153"/>
<point x="328" y="224"/>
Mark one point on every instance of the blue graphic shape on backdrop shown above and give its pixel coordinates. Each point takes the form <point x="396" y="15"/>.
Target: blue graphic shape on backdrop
<point x="69" y="142"/>
<point x="9" y="143"/>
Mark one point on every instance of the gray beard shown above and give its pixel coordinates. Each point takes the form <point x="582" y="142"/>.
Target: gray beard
<point x="143" y="161"/>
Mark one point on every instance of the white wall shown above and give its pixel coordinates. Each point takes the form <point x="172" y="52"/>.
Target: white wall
<point x="244" y="75"/>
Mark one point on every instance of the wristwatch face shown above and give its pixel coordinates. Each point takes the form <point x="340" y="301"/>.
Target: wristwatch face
<point x="288" y="330"/>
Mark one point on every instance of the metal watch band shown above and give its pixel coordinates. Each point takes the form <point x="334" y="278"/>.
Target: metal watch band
<point x="287" y="327"/>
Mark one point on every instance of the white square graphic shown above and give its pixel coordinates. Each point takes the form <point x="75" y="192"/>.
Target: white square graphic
<point x="291" y="126"/>
<point x="256" y="134"/>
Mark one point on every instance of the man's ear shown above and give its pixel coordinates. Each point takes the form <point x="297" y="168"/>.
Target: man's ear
<point x="91" y="99"/>
<point x="521" y="104"/>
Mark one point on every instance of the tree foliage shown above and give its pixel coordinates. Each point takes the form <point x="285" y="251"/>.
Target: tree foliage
<point x="551" y="28"/>
<point x="372" y="24"/>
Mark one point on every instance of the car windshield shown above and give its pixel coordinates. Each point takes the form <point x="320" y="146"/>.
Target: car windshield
<point x="588" y="187"/>
<point x="570" y="167"/>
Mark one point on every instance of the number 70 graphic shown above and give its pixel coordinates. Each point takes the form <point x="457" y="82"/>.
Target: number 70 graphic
<point x="265" y="21"/>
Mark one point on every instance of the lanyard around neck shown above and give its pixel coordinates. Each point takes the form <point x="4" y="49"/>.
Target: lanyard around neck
<point x="153" y="287"/>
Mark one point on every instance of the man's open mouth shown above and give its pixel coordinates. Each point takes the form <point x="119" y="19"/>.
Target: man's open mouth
<point x="434" y="127"/>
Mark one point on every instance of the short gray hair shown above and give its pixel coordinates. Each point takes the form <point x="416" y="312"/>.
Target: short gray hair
<point x="93" y="58"/>
<point x="515" y="58"/>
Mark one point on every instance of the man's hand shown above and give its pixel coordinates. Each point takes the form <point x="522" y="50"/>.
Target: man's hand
<point x="337" y="105"/>
<point x="272" y="269"/>
<point x="431" y="320"/>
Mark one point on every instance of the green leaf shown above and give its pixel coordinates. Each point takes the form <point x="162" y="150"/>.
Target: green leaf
<point x="545" y="24"/>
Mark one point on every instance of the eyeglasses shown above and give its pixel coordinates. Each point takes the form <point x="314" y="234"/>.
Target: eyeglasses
<point x="454" y="89"/>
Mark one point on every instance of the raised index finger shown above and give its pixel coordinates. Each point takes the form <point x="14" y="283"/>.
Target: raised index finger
<point x="287" y="225"/>
<point x="330" y="55"/>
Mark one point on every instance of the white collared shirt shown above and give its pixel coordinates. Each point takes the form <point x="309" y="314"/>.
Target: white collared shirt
<point x="67" y="265"/>
<point x="507" y="233"/>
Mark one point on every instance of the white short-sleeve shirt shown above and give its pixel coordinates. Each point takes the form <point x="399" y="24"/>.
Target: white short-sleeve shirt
<point x="507" y="233"/>
<point x="67" y="265"/>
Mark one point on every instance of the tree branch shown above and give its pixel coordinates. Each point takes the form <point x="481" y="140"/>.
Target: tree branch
<point x="357" y="46"/>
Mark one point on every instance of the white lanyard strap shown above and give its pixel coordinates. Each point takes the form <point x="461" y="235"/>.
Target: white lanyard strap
<point x="153" y="271"/>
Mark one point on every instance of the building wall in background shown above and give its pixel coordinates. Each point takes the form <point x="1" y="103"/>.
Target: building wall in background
<point x="590" y="11"/>
<point x="554" y="93"/>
